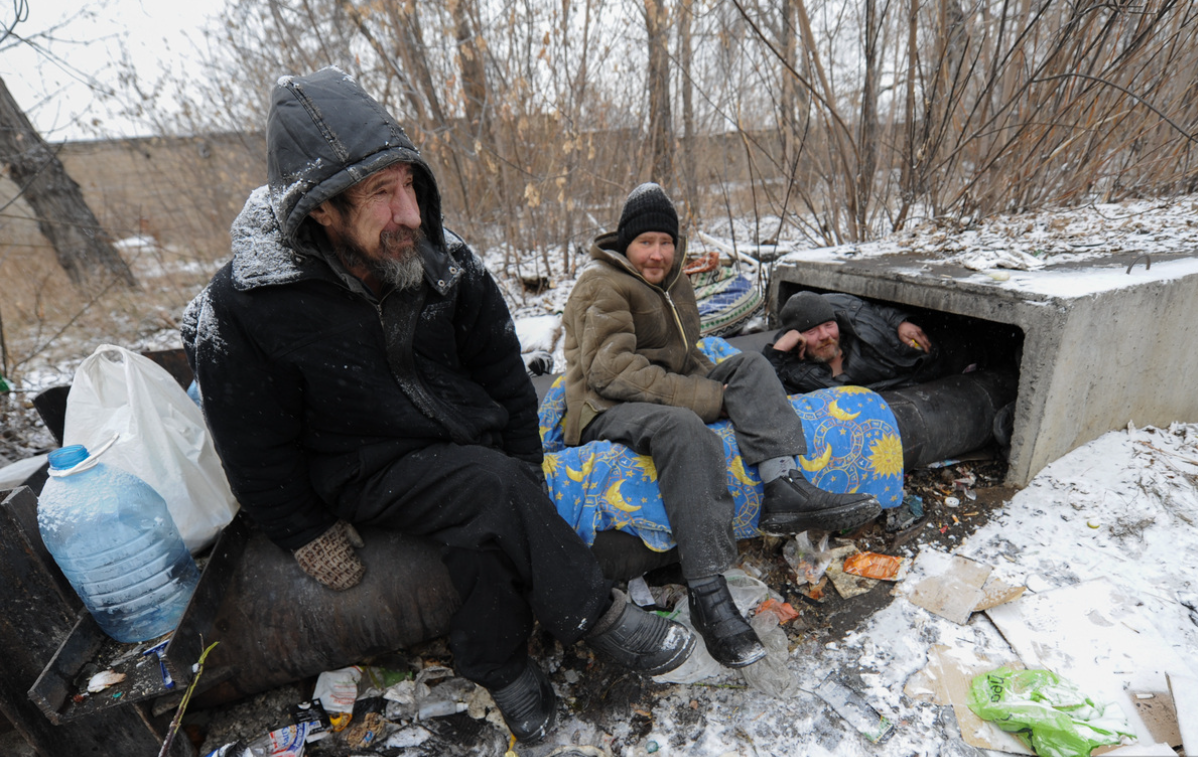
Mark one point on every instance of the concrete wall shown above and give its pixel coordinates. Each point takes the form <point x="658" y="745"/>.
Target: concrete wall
<point x="1090" y="363"/>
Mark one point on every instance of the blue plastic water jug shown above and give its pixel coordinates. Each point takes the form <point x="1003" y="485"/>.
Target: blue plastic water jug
<point x="114" y="538"/>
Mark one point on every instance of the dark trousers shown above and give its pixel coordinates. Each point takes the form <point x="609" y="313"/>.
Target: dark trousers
<point x="510" y="555"/>
<point x="692" y="472"/>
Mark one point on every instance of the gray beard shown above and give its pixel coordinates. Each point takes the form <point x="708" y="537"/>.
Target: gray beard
<point x="404" y="271"/>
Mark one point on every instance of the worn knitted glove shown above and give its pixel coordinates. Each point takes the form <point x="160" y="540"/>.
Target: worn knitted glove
<point x="330" y="558"/>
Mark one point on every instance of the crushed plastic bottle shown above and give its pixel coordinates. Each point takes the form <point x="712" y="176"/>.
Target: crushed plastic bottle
<point x="770" y="675"/>
<point x="114" y="539"/>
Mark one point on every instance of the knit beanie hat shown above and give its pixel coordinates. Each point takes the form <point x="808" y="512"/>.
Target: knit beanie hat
<point x="646" y="209"/>
<point x="805" y="311"/>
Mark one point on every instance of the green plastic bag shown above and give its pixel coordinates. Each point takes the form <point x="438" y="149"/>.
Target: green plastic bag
<point x="1047" y="712"/>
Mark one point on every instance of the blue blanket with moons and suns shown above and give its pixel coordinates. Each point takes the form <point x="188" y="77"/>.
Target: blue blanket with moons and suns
<point x="852" y="441"/>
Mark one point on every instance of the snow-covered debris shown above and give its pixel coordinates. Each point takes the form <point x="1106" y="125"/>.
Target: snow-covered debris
<point x="1046" y="237"/>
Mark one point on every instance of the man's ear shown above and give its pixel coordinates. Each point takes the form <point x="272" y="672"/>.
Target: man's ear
<point x="322" y="214"/>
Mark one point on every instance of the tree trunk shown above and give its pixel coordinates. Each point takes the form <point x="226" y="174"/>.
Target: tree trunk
<point x="473" y="70"/>
<point x="661" y="127"/>
<point x="868" y="135"/>
<point x="686" y="21"/>
<point x="788" y="124"/>
<point x="84" y="249"/>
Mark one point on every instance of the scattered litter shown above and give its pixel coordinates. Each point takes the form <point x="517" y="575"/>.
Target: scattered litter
<point x="1124" y="654"/>
<point x="946" y="681"/>
<point x="638" y="592"/>
<point x="371" y="730"/>
<point x="406" y="738"/>
<point x="782" y="610"/>
<point x="854" y="709"/>
<point x="101" y="681"/>
<point x="159" y="650"/>
<point x="847" y="586"/>
<point x="770" y="675"/>
<point x="808" y="561"/>
<point x="948" y="585"/>
<point x="314" y="715"/>
<point x="337" y="690"/>
<point x="873" y="565"/>
<point x="815" y="593"/>
<point x="1047" y="712"/>
<point x="905" y="515"/>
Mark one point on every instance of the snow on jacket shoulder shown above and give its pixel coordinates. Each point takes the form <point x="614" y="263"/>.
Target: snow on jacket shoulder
<point x="630" y="341"/>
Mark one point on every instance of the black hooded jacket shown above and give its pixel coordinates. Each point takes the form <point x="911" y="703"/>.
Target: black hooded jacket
<point x="874" y="356"/>
<point x="310" y="383"/>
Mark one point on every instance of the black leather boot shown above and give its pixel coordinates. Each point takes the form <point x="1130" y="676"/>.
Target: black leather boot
<point x="730" y="639"/>
<point x="528" y="704"/>
<point x="793" y="504"/>
<point x="639" y="640"/>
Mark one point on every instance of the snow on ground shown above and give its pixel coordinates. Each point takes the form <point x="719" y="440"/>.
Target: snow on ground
<point x="1123" y="507"/>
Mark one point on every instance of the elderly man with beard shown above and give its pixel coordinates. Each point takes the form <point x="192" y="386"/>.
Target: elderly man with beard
<point x="358" y="366"/>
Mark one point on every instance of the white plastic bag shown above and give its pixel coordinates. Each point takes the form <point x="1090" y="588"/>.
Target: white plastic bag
<point x="163" y="438"/>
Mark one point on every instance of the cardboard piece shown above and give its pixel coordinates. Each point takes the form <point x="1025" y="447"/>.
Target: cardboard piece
<point x="1159" y="715"/>
<point x="948" y="585"/>
<point x="1097" y="638"/>
<point x="997" y="592"/>
<point x="1184" y="689"/>
<point x="946" y="680"/>
<point x="1137" y="750"/>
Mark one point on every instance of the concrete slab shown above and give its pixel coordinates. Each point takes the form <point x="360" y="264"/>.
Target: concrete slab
<point x="1104" y="342"/>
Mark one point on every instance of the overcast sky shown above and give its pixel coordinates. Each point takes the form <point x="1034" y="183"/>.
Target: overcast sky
<point x="57" y="84"/>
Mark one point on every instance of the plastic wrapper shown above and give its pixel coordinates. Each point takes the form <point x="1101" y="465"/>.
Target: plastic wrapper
<point x="873" y="565"/>
<point x="807" y="560"/>
<point x="163" y="439"/>
<point x="337" y="690"/>
<point x="1048" y="713"/>
<point x="770" y="675"/>
<point x="747" y="593"/>
<point x="780" y="610"/>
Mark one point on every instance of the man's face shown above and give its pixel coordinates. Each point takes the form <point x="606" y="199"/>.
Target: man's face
<point x="652" y="255"/>
<point x="381" y="227"/>
<point x="823" y="342"/>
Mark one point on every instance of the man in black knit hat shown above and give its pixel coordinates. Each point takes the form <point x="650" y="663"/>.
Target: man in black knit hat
<point x="635" y="375"/>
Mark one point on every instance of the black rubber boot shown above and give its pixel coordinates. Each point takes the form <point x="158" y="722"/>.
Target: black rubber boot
<point x="793" y="504"/>
<point x="730" y="639"/>
<point x="528" y="704"/>
<point x="639" y="640"/>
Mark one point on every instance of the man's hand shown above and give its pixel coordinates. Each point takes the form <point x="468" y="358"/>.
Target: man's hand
<point x="913" y="336"/>
<point x="790" y="340"/>
<point x="330" y="558"/>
